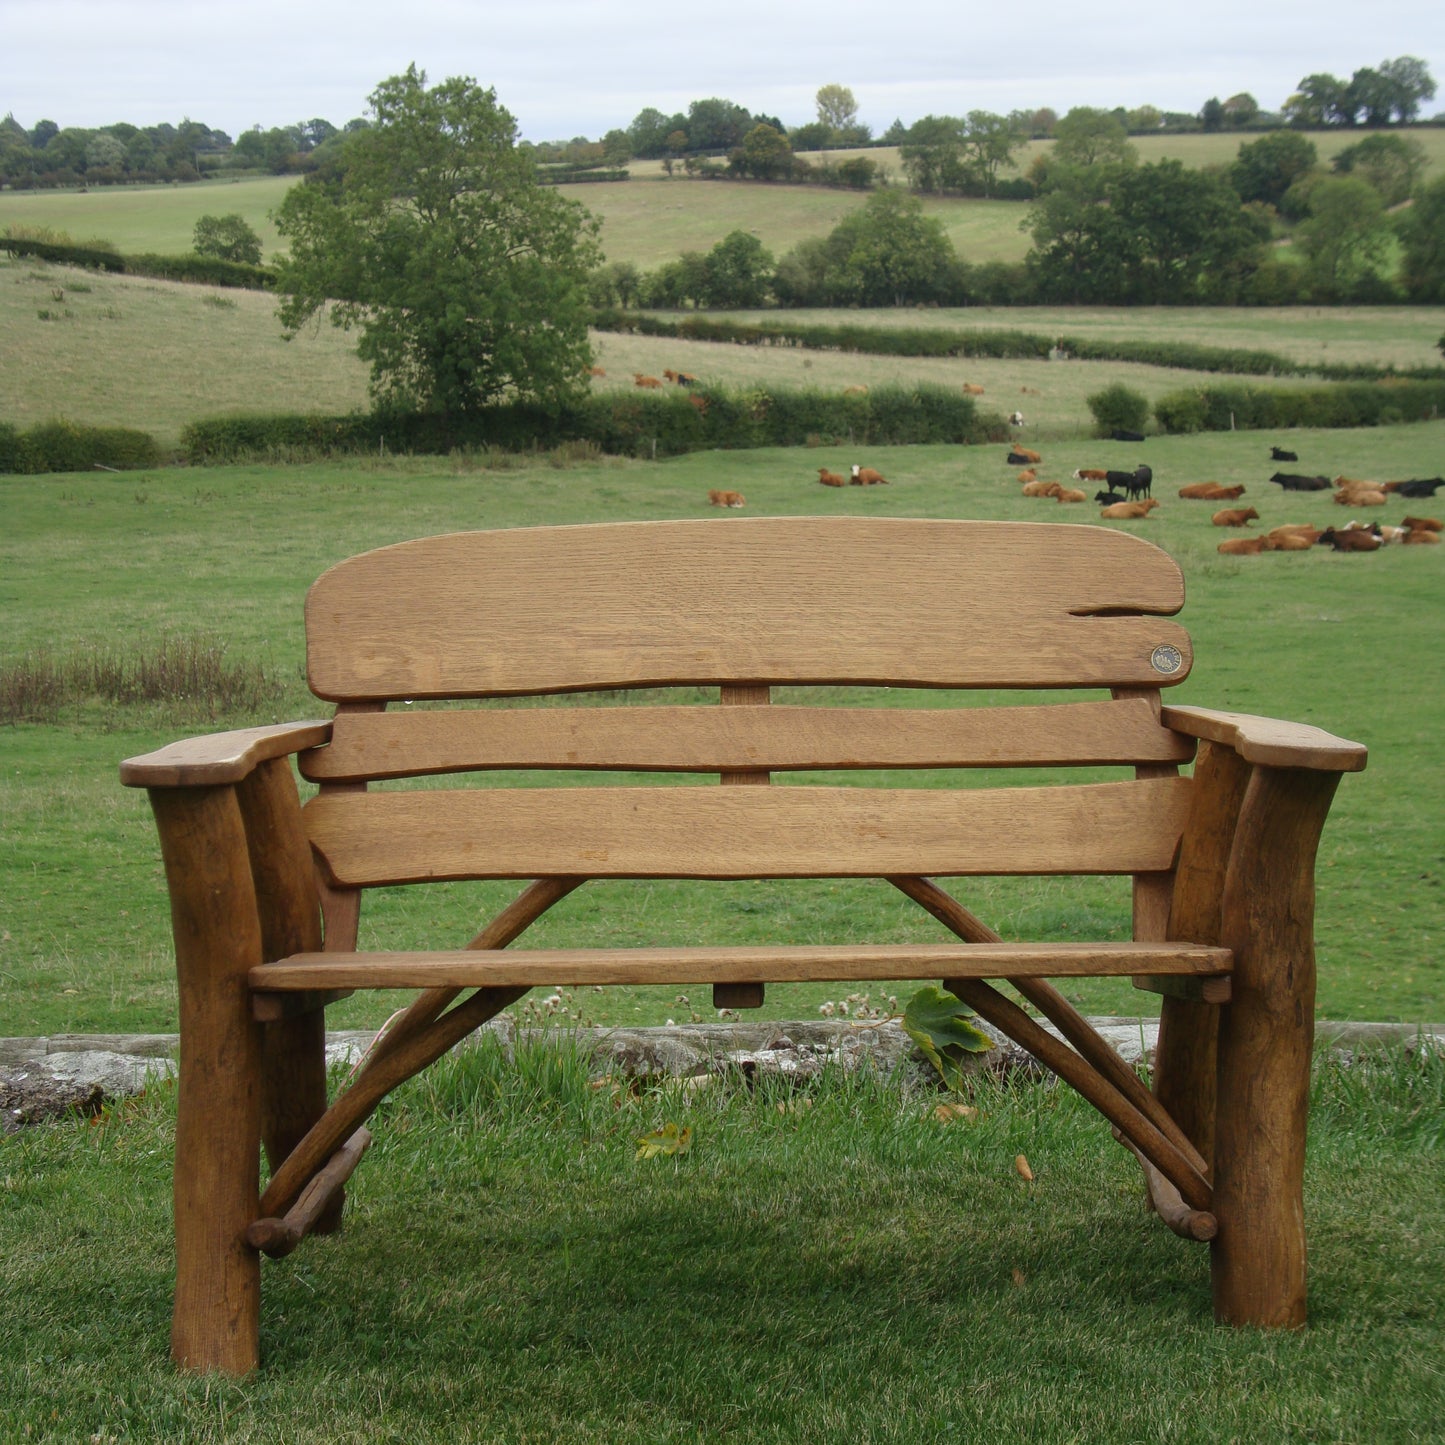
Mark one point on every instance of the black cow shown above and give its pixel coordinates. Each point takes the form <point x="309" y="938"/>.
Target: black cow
<point x="1417" y="488"/>
<point x="1107" y="499"/>
<point x="1292" y="483"/>
<point x="1126" y="436"/>
<point x="1278" y="454"/>
<point x="1138" y="483"/>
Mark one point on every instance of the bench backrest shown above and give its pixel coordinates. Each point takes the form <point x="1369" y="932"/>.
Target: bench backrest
<point x="745" y="605"/>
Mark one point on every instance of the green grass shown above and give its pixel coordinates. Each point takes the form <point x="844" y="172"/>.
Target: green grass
<point x="128" y="561"/>
<point x="822" y="1263"/>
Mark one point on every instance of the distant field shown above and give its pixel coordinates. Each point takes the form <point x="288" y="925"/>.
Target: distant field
<point x="127" y="351"/>
<point x="647" y="220"/>
<point x="148" y="218"/>
<point x="1375" y="335"/>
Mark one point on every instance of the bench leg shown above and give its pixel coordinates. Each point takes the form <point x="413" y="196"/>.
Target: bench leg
<point x="216" y="1321"/>
<point x="1266" y="1035"/>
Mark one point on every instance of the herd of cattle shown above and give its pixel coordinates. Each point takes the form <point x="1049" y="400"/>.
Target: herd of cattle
<point x="1128" y="495"/>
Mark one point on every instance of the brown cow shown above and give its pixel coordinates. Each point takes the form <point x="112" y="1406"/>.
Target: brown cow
<point x="1091" y="474"/>
<point x="866" y="476"/>
<point x="1211" y="492"/>
<point x="1129" y="511"/>
<point x="855" y="391"/>
<point x="1023" y="457"/>
<point x="1422" y="524"/>
<point x="1028" y="475"/>
<point x="1414" y="536"/>
<point x="1041" y="489"/>
<point x="830" y="479"/>
<point x="649" y="381"/>
<point x="727" y="499"/>
<point x="1244" y="546"/>
<point x="1235" y="517"/>
<point x="1070" y="494"/>
<point x="972" y="388"/>
<point x="595" y="371"/>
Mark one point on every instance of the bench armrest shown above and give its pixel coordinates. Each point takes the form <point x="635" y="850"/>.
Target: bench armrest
<point x="220" y="758"/>
<point x="1268" y="741"/>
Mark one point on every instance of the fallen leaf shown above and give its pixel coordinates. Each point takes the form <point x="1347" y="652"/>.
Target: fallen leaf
<point x="1022" y="1165"/>
<point x="667" y="1140"/>
<point x="1018" y="1276"/>
<point x="947" y="1113"/>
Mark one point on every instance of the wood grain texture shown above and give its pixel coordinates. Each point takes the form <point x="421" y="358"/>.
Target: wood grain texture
<point x="529" y="967"/>
<point x="719" y="739"/>
<point x="1269" y="741"/>
<point x="216" y="1317"/>
<point x="374" y="838"/>
<point x="293" y="1071"/>
<point x="762" y="600"/>
<point x="1184" y="1059"/>
<point x="218" y="758"/>
<point x="1266" y="1038"/>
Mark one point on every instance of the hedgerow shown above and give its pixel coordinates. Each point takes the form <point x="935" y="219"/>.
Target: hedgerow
<point x="64" y="446"/>
<point x="1352" y="404"/>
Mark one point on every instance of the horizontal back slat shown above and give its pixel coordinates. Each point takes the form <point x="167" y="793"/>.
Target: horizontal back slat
<point x="716" y="739"/>
<point x="777" y="832"/>
<point x="750" y="600"/>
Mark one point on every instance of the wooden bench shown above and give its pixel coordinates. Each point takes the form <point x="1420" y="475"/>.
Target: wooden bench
<point x="265" y="893"/>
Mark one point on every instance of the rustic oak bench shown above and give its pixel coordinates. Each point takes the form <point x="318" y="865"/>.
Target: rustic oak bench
<point x="265" y="893"/>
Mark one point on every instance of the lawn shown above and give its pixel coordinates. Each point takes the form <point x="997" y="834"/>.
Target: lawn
<point x="125" y="562"/>
<point x="825" y="1262"/>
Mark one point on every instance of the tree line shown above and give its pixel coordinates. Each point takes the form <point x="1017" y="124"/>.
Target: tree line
<point x="962" y="155"/>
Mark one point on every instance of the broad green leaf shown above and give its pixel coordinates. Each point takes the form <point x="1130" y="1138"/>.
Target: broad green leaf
<point x="938" y="1023"/>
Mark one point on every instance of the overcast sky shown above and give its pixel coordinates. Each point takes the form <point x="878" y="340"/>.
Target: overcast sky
<point x="582" y="67"/>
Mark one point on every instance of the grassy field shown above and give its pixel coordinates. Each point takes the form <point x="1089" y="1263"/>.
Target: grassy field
<point x="124" y="562"/>
<point x="647" y="220"/>
<point x="826" y="1263"/>
<point x="127" y="351"/>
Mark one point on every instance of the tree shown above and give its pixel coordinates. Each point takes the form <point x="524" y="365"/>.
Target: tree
<point x="466" y="278"/>
<point x="895" y="255"/>
<point x="836" y="107"/>
<point x="737" y="271"/>
<point x="1412" y="83"/>
<point x="1240" y="110"/>
<point x="1322" y="99"/>
<point x="1346" y="236"/>
<point x="933" y="155"/>
<point x="815" y="136"/>
<point x="1088" y="137"/>
<point x="716" y="125"/>
<point x="1392" y="164"/>
<point x="1146" y="235"/>
<point x="989" y="142"/>
<point x="1211" y="116"/>
<point x="1422" y="246"/>
<point x="1266" y="168"/>
<point x="764" y="153"/>
<point x="229" y="238"/>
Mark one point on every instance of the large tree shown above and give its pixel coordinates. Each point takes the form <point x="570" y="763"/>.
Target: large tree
<point x="1422" y="246"/>
<point x="837" y="109"/>
<point x="1266" y="168"/>
<point x="1346" y="237"/>
<point x="466" y="278"/>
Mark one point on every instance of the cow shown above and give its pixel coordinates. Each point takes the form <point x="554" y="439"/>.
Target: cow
<point x="1349" y="540"/>
<point x="639" y="379"/>
<point x="830" y="479"/>
<point x="866" y="476"/>
<point x="1108" y="499"/>
<point x="1278" y="454"/>
<point x="1235" y="517"/>
<point x="1120" y="435"/>
<point x="855" y="391"/>
<point x="1023" y="457"/>
<point x="1414" y="536"/>
<point x="1211" y="492"/>
<point x="1293" y="483"/>
<point x="595" y="371"/>
<point x="1041" y="489"/>
<point x="1015" y="418"/>
<point x="1129" y="511"/>
<point x="1245" y="546"/>
<point x="726" y="499"/>
<point x="972" y="388"/>
<point x="1091" y="474"/>
<point x="1137" y="483"/>
<point x="1069" y="494"/>
<point x="1423" y="524"/>
<point x="1419" y="488"/>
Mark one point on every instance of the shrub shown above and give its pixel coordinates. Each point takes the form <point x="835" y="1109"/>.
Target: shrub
<point x="227" y="238"/>
<point x="1118" y="408"/>
<point x="62" y="446"/>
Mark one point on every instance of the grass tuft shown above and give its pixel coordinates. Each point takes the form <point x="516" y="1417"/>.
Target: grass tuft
<point x="189" y="676"/>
